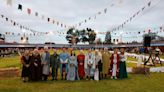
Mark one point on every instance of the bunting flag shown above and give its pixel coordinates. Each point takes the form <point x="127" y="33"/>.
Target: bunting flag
<point x="149" y="3"/>
<point x="130" y="19"/>
<point x="48" y="19"/>
<point x="19" y="7"/>
<point x="6" y="19"/>
<point x="19" y="25"/>
<point x="9" y="2"/>
<point x="43" y="17"/>
<point x="36" y="13"/>
<point x="143" y="8"/>
<point x="2" y="16"/>
<point x="105" y="10"/>
<point x="28" y="11"/>
<point x="53" y="21"/>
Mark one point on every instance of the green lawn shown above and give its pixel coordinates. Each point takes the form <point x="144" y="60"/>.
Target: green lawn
<point x="15" y="62"/>
<point x="8" y="62"/>
<point x="135" y="83"/>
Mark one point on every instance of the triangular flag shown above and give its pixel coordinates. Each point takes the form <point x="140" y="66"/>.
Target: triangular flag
<point x="2" y="16"/>
<point x="99" y="13"/>
<point x="149" y="3"/>
<point x="95" y="16"/>
<point x="105" y="10"/>
<point x="57" y="23"/>
<point x="19" y="7"/>
<point x="28" y="11"/>
<point x="160" y="28"/>
<point x="143" y="8"/>
<point x="9" y="2"/>
<point x="48" y="19"/>
<point x="43" y="17"/>
<point x="53" y="21"/>
<point x="85" y="21"/>
<point x="6" y="19"/>
<point x="14" y="23"/>
<point x="138" y="12"/>
<point x="111" y="5"/>
<point x="36" y="13"/>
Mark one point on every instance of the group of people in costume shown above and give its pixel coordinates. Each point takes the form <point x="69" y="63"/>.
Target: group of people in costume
<point x="92" y="65"/>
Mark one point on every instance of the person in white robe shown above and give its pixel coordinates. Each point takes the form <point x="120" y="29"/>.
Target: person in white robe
<point x="89" y="65"/>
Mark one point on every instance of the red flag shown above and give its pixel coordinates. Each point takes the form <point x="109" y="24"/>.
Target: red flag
<point x="28" y="11"/>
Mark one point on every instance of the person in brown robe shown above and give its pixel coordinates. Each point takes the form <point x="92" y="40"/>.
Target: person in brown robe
<point x="35" y="66"/>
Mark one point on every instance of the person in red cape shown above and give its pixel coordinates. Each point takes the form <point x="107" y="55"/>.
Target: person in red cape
<point x="114" y="65"/>
<point x="80" y="60"/>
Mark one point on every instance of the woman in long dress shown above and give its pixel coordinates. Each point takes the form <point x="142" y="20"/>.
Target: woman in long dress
<point x="25" y="60"/>
<point x="123" y="71"/>
<point x="115" y="64"/>
<point x="72" y="68"/>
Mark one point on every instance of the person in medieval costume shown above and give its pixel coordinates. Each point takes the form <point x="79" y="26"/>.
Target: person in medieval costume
<point x="115" y="64"/>
<point x="123" y="71"/>
<point x="89" y="65"/>
<point x="63" y="63"/>
<point x="25" y="60"/>
<point x="35" y="66"/>
<point x="54" y="62"/>
<point x="72" y="68"/>
<point x="98" y="60"/>
<point x="46" y="63"/>
<point x="80" y="60"/>
<point x="105" y="62"/>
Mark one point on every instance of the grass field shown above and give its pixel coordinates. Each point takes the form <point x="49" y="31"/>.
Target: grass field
<point x="15" y="62"/>
<point x="135" y="83"/>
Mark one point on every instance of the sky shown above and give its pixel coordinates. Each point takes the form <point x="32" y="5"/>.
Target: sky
<point x="72" y="12"/>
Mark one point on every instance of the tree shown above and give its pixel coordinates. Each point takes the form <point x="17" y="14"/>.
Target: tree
<point x="108" y="38"/>
<point x="85" y="35"/>
<point x="72" y="36"/>
<point x="154" y="36"/>
<point x="91" y="35"/>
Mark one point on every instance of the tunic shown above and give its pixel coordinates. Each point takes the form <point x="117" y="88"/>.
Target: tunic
<point x="46" y="63"/>
<point x="89" y="64"/>
<point x="106" y="62"/>
<point x="114" y="66"/>
<point x="35" y="70"/>
<point x="25" y="70"/>
<point x="72" y="69"/>
<point x="80" y="60"/>
<point x="122" y="70"/>
<point x="64" y="62"/>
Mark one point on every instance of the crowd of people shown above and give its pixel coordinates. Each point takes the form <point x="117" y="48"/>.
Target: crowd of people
<point x="92" y="65"/>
